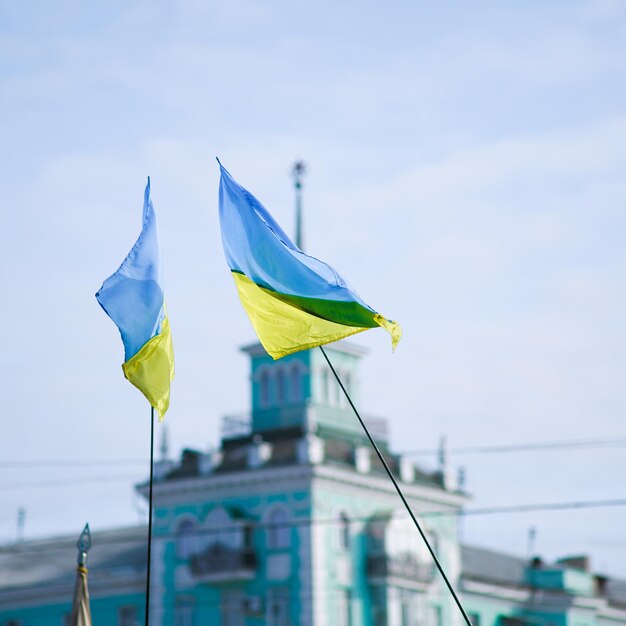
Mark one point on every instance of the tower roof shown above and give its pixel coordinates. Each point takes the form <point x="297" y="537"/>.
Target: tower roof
<point x="256" y="349"/>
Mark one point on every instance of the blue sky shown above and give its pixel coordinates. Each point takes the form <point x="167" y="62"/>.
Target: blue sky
<point x="466" y="175"/>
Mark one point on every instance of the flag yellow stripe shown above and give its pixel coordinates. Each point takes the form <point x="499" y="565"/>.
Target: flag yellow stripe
<point x="283" y="328"/>
<point x="393" y="328"/>
<point x="151" y="370"/>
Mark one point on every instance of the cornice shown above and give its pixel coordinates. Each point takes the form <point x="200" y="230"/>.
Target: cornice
<point x="382" y="484"/>
<point x="612" y="612"/>
<point x="494" y="591"/>
<point x="292" y="477"/>
<point x="246" y="482"/>
<point x="600" y="606"/>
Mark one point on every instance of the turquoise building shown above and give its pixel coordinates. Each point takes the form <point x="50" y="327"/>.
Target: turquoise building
<point x="292" y="521"/>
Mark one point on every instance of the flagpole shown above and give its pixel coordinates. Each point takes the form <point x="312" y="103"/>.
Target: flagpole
<point x="397" y="486"/>
<point x="150" y="513"/>
<point x="81" y="612"/>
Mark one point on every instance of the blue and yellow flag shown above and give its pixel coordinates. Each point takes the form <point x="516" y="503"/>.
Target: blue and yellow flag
<point x="293" y="300"/>
<point x="133" y="299"/>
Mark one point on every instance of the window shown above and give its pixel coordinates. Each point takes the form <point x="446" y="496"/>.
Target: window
<point x="338" y="392"/>
<point x="185" y="539"/>
<point x="379" y="606"/>
<point x="344" y="531"/>
<point x="295" y="383"/>
<point x="264" y="383"/>
<point x="127" y="616"/>
<point x="326" y="386"/>
<point x="281" y="387"/>
<point x="405" y="612"/>
<point x="344" y="608"/>
<point x="376" y="537"/>
<point x="184" y="611"/>
<point x="277" y="608"/>
<point x="278" y="530"/>
<point x="435" y="616"/>
<point x="346" y="379"/>
<point x="408" y="608"/>
<point x="231" y="607"/>
<point x="434" y="541"/>
<point x="222" y="530"/>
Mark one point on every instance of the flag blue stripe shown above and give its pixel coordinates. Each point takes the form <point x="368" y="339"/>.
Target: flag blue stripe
<point x="133" y="296"/>
<point x="256" y="246"/>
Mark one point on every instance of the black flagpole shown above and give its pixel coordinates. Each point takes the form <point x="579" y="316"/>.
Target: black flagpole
<point x="150" y="513"/>
<point x="395" y="484"/>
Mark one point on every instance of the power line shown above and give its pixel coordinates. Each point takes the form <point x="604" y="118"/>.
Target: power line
<point x="618" y="441"/>
<point x="61" y="482"/>
<point x="546" y="446"/>
<point x="546" y="506"/>
<point x="43" y="463"/>
<point x="331" y="521"/>
<point x="571" y="444"/>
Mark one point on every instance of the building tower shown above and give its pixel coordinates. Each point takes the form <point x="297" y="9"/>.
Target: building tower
<point x="292" y="521"/>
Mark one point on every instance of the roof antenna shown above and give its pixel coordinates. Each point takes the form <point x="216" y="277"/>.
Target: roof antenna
<point x="532" y="536"/>
<point x="165" y="446"/>
<point x="461" y="479"/>
<point x="298" y="171"/>
<point x="21" y="523"/>
<point x="443" y="453"/>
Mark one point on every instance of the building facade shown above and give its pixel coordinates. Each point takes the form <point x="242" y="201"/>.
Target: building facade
<point x="293" y="522"/>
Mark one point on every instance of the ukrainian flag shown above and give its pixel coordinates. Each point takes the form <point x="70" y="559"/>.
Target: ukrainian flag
<point x="293" y="300"/>
<point x="133" y="299"/>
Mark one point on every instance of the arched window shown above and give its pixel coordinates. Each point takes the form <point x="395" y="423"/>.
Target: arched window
<point x="347" y="383"/>
<point x="344" y="531"/>
<point x="264" y="384"/>
<point x="223" y="530"/>
<point x="277" y="607"/>
<point x="337" y="390"/>
<point x="185" y="539"/>
<point x="278" y="530"/>
<point x="281" y="387"/>
<point x="295" y="383"/>
<point x="184" y="610"/>
<point x="326" y="385"/>
<point x="433" y="539"/>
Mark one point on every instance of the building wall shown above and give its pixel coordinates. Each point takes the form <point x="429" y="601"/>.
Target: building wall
<point x="38" y="611"/>
<point x="323" y="573"/>
<point x="278" y="570"/>
<point x="338" y="572"/>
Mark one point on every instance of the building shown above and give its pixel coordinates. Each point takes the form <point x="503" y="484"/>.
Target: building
<point x="293" y="522"/>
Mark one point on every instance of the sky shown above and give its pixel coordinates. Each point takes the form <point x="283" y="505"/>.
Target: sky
<point x="465" y="173"/>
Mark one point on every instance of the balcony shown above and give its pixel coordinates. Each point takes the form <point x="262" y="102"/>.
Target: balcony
<point x="219" y="563"/>
<point x="235" y="426"/>
<point x="403" y="566"/>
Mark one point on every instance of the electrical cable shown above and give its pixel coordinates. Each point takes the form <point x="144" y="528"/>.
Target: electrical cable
<point x="64" y="482"/>
<point x="618" y="441"/>
<point x="571" y="444"/>
<point x="308" y="521"/>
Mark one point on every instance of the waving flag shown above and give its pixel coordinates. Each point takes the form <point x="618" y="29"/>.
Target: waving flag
<point x="293" y="300"/>
<point x="133" y="299"/>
